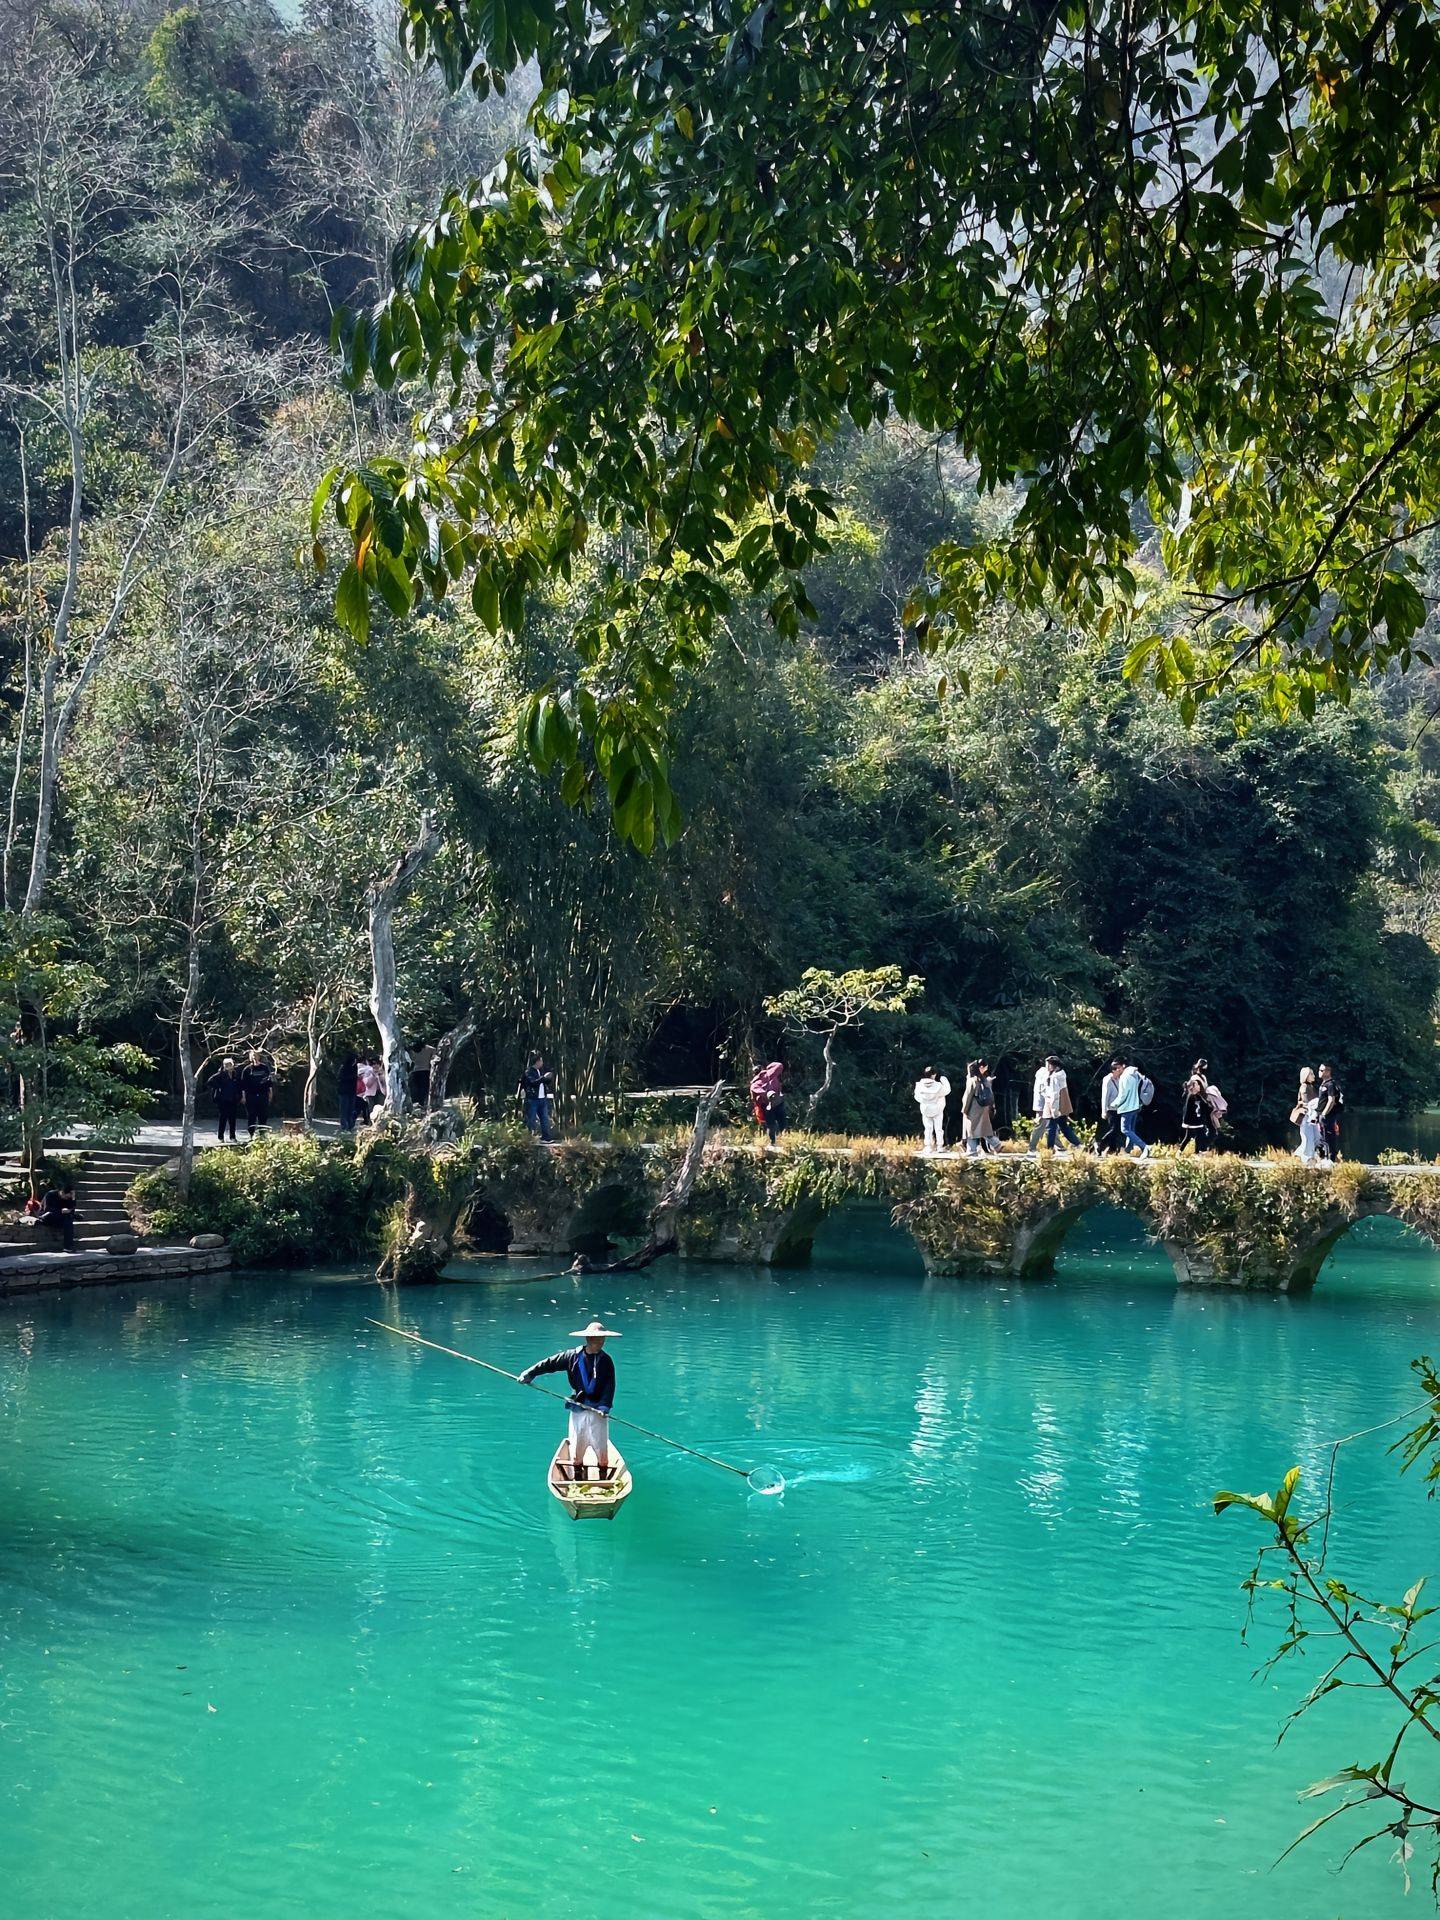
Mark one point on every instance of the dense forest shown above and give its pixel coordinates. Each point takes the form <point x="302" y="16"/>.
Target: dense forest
<point x="207" y="776"/>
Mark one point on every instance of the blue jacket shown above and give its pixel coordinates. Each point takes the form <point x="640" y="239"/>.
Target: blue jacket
<point x="1128" y="1100"/>
<point x="591" y="1376"/>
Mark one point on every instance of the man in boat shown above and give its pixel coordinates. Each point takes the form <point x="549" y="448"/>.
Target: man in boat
<point x="591" y="1373"/>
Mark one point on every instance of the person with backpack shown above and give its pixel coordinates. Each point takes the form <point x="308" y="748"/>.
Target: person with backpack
<point x="932" y="1090"/>
<point x="1135" y="1093"/>
<point x="977" y="1109"/>
<point x="1329" y="1105"/>
<point x="1197" y="1120"/>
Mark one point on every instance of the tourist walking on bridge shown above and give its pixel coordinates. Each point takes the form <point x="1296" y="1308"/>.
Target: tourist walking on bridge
<point x="977" y="1109"/>
<point x="767" y="1096"/>
<point x="1107" y="1140"/>
<point x="1330" y="1105"/>
<point x="1219" y="1105"/>
<point x="932" y="1090"/>
<point x="1052" y="1106"/>
<point x="1135" y="1092"/>
<point x="1197" y="1119"/>
<point x="1305" y="1114"/>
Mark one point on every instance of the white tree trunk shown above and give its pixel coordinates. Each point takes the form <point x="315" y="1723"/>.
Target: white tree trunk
<point x="22" y="724"/>
<point x="73" y="410"/>
<point x="824" y="1086"/>
<point x="381" y="901"/>
<point x="315" y="1047"/>
<point x="188" y="1005"/>
<point x="447" y="1048"/>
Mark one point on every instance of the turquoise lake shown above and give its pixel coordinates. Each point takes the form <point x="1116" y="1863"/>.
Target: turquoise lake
<point x="289" y="1625"/>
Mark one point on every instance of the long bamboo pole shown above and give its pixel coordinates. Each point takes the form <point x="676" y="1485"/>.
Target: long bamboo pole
<point x="634" y="1426"/>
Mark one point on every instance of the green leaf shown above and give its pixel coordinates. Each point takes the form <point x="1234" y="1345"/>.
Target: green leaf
<point x="1260" y="1503"/>
<point x="352" y="604"/>
<point x="486" y="601"/>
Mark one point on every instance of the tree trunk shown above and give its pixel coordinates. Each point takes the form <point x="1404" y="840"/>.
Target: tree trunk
<point x="665" y="1216"/>
<point x="187" y="1064"/>
<point x="56" y="714"/>
<point x="47" y="776"/>
<point x="381" y="901"/>
<point x="824" y="1086"/>
<point x="315" y="1047"/>
<point x="447" y="1047"/>
<point x="22" y="723"/>
<point x="418" y="1250"/>
<point x="190" y="1000"/>
<point x="33" y="1108"/>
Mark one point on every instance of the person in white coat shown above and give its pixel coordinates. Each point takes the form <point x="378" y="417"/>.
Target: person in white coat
<point x="1052" y="1106"/>
<point x="1305" y="1115"/>
<point x="932" y="1090"/>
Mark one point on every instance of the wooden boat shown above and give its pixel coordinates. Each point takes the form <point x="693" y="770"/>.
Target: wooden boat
<point x="590" y="1499"/>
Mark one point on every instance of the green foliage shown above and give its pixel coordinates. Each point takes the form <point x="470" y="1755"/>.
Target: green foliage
<point x="1062" y="860"/>
<point x="824" y="1002"/>
<point x="1380" y="1647"/>
<point x="639" y="329"/>
<point x="62" y="1072"/>
<point x="282" y="1201"/>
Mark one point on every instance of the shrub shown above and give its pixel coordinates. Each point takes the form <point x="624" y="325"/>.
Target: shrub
<point x="286" y="1200"/>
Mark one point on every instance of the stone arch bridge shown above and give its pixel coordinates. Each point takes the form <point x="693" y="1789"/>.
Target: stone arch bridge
<point x="1224" y="1221"/>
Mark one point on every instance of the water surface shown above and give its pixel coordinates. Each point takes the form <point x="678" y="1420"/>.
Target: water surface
<point x="289" y="1626"/>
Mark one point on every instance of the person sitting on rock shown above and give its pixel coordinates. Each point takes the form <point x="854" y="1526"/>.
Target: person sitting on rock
<point x="57" y="1209"/>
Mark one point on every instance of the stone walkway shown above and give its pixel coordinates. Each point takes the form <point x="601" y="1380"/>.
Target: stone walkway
<point x="41" y="1272"/>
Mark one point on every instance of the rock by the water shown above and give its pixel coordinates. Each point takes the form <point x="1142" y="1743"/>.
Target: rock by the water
<point x="207" y="1242"/>
<point x="123" y="1243"/>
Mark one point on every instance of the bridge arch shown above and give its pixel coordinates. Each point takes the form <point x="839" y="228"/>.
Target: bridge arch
<point x="484" y="1227"/>
<point x="865" y="1236"/>
<point x="1039" y="1240"/>
<point x="614" y="1210"/>
<point x="1316" y="1250"/>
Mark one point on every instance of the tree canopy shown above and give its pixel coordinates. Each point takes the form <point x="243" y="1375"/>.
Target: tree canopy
<point x="1167" y="269"/>
<point x="1066" y="863"/>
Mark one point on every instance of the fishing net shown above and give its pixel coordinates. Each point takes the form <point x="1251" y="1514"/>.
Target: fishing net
<point x="765" y="1480"/>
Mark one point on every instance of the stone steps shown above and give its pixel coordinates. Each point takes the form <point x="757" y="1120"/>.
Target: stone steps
<point x="105" y="1176"/>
